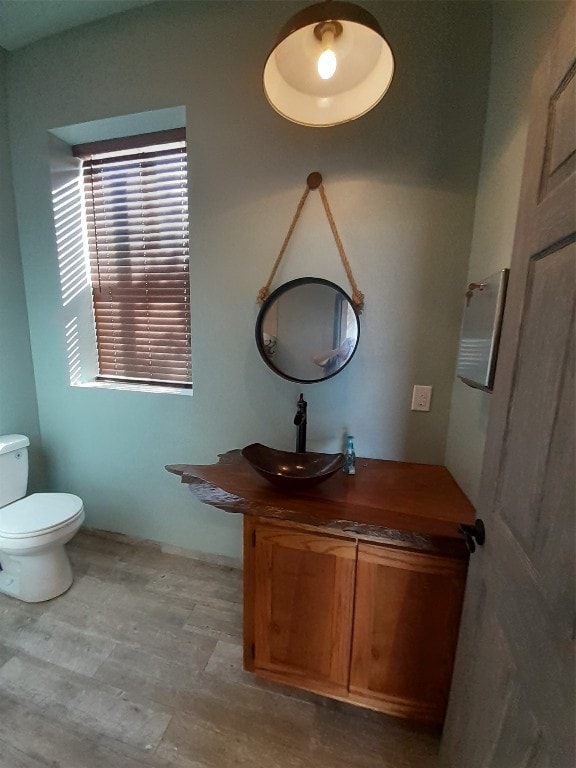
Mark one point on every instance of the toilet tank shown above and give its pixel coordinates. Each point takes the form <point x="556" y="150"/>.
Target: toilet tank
<point x="13" y="468"/>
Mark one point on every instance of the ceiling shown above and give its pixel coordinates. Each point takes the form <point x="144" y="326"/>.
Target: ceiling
<point x="25" y="21"/>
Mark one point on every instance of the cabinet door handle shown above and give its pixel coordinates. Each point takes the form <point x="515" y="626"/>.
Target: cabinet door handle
<point x="474" y="534"/>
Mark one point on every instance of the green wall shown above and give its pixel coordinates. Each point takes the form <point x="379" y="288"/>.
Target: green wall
<point x="401" y="182"/>
<point x="521" y="31"/>
<point x="18" y="409"/>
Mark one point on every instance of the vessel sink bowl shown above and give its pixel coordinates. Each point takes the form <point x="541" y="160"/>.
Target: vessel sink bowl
<point x="292" y="471"/>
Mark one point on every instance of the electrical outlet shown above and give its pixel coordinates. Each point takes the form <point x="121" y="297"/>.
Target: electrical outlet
<point x="421" y="397"/>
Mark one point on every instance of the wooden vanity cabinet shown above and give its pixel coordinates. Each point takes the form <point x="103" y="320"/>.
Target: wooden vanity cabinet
<point x="353" y="589"/>
<point x="369" y="623"/>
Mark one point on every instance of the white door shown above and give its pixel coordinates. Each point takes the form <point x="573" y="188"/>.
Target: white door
<point x="512" y="699"/>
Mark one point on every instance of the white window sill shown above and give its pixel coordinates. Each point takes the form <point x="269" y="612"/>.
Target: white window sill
<point x="157" y="389"/>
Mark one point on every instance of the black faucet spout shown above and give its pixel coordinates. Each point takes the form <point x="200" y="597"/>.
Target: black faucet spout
<point x="300" y="421"/>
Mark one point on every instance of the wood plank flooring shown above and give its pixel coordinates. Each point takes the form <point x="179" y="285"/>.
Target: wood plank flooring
<point x="139" y="665"/>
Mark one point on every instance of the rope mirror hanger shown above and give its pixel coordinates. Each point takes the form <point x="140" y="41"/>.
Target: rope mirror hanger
<point x="314" y="181"/>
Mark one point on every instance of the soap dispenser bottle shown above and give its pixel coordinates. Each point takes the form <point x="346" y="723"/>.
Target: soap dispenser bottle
<point x="349" y="456"/>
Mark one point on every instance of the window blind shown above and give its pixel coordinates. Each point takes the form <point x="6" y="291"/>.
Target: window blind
<point x="136" y="208"/>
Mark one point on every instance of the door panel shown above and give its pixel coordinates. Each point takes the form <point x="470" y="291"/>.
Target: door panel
<point x="405" y="626"/>
<point x="493" y="683"/>
<point x="553" y="553"/>
<point x="304" y="600"/>
<point x="533" y="408"/>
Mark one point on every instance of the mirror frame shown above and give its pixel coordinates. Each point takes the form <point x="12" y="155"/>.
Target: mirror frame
<point x="274" y="296"/>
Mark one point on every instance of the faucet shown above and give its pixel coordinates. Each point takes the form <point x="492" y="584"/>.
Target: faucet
<point x="300" y="421"/>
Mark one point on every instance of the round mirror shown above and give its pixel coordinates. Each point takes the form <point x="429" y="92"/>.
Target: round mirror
<point x="307" y="330"/>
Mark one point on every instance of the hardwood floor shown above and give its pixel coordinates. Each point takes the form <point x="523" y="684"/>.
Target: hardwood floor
<point x="139" y="665"/>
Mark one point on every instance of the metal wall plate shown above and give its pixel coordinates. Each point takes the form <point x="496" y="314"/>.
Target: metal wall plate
<point x="480" y="334"/>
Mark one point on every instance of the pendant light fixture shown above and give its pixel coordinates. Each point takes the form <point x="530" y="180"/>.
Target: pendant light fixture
<point x="330" y="64"/>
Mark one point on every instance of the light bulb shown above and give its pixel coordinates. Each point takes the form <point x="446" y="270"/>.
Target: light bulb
<point x="327" y="64"/>
<point x="327" y="59"/>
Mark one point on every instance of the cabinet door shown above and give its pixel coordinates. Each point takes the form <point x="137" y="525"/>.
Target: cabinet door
<point x="405" y="628"/>
<point x="303" y="606"/>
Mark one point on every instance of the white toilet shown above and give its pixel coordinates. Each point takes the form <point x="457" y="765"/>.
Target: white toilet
<point x="33" y="530"/>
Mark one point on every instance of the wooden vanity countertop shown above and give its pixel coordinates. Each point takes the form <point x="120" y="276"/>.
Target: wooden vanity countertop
<point x="413" y="506"/>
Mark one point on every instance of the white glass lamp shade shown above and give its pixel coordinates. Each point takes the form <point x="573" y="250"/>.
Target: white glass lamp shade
<point x="364" y="66"/>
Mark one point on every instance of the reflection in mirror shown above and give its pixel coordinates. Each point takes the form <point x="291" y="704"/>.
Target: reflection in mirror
<point x="307" y="330"/>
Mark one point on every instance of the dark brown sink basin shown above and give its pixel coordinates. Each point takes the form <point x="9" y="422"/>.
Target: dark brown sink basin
<point x="292" y="471"/>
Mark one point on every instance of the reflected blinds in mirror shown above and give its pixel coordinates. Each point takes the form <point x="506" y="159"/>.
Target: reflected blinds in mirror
<point x="136" y="208"/>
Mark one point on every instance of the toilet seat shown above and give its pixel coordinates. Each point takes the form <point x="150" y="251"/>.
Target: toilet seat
<point x="38" y="514"/>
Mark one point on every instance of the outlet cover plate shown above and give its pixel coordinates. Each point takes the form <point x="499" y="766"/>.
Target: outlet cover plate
<point x="421" y="397"/>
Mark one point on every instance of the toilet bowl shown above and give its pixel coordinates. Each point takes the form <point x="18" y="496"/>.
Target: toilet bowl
<point x="33" y="532"/>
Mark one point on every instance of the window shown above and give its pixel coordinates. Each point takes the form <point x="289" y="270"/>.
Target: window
<point x="136" y="214"/>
